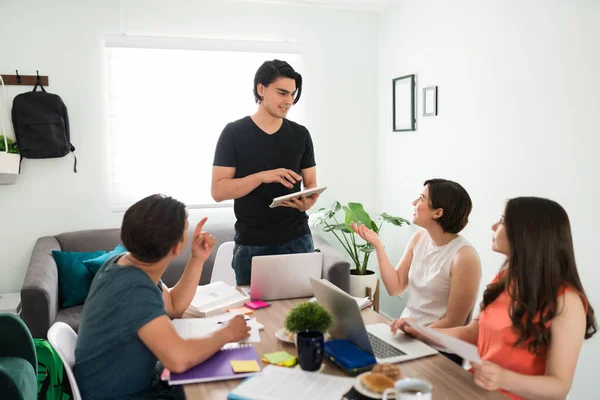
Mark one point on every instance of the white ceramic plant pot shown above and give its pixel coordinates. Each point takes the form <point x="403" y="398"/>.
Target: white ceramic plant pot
<point x="360" y="283"/>
<point x="9" y="168"/>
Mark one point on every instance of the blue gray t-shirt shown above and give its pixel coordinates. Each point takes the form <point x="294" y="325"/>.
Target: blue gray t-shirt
<point x="111" y="362"/>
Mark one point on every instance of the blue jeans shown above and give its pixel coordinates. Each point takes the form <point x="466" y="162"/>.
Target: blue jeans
<point x="242" y="255"/>
<point x="160" y="390"/>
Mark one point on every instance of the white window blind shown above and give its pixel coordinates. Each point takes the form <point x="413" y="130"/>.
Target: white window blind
<point x="169" y="101"/>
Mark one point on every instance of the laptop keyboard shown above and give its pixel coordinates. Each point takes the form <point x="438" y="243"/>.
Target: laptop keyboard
<point x="383" y="349"/>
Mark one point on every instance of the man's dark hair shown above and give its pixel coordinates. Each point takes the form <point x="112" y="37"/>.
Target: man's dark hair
<point x="152" y="226"/>
<point x="454" y="200"/>
<point x="272" y="70"/>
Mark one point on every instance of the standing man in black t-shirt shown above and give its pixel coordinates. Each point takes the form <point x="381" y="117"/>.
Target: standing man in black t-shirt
<point x="261" y="157"/>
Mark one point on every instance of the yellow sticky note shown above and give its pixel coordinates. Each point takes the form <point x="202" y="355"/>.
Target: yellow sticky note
<point x="289" y="363"/>
<point x="245" y="366"/>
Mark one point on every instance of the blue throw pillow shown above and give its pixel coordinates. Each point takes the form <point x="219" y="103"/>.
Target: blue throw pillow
<point x="93" y="265"/>
<point x="74" y="279"/>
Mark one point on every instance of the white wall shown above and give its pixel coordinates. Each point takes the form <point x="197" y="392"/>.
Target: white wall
<point x="65" y="40"/>
<point x="518" y="115"/>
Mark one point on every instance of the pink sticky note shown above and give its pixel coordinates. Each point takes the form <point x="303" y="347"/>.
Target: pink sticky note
<point x="256" y="304"/>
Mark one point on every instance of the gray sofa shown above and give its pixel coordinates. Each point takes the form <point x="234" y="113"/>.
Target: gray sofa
<point x="40" y="294"/>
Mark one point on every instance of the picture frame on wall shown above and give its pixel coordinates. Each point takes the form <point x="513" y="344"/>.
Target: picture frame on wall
<point x="430" y="102"/>
<point x="403" y="104"/>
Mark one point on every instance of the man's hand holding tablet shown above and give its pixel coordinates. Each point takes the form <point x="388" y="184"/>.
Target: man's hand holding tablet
<point x="298" y="199"/>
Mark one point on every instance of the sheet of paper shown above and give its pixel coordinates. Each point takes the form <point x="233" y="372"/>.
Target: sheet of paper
<point x="189" y="328"/>
<point x="276" y="383"/>
<point x="222" y="318"/>
<point x="245" y="366"/>
<point x="451" y="344"/>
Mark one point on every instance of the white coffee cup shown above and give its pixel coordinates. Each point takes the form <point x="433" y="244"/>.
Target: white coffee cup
<point x="410" y="389"/>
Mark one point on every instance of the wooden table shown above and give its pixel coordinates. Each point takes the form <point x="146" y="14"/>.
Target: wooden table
<point x="450" y="382"/>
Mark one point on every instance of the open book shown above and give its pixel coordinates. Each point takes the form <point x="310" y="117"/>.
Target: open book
<point x="214" y="299"/>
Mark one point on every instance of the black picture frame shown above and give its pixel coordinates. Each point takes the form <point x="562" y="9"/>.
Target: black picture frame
<point x="430" y="101"/>
<point x="403" y="104"/>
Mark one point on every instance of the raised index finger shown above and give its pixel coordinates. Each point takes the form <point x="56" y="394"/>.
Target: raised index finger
<point x="200" y="226"/>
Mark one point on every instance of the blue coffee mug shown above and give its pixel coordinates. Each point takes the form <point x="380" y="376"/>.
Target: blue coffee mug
<point x="310" y="349"/>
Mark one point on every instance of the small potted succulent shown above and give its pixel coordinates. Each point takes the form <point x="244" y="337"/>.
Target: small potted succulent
<point x="310" y="316"/>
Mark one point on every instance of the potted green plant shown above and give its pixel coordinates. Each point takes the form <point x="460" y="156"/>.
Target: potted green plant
<point x="9" y="160"/>
<point x="12" y="145"/>
<point x="309" y="315"/>
<point x="326" y="218"/>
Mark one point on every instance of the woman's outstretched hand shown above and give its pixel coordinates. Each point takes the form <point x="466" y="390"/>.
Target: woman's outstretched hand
<point x="366" y="234"/>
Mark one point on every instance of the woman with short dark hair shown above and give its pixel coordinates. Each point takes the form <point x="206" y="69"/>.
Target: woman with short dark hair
<point x="439" y="267"/>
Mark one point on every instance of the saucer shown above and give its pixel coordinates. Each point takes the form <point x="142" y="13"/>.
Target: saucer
<point x="362" y="389"/>
<point x="281" y="335"/>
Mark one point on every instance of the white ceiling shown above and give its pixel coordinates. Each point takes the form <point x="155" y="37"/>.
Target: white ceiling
<point x="364" y="5"/>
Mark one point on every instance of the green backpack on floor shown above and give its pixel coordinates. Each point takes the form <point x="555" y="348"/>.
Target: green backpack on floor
<point x="51" y="380"/>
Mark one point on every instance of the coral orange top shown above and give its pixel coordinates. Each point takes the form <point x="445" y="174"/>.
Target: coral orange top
<point x="497" y="336"/>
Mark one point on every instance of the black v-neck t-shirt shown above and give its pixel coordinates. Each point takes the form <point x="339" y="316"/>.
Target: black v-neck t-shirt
<point x="249" y="149"/>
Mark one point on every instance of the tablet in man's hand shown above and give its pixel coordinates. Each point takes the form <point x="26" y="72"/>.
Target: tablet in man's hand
<point x="306" y="192"/>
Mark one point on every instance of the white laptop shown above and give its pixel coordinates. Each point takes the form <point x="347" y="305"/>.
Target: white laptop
<point x="285" y="276"/>
<point x="375" y="339"/>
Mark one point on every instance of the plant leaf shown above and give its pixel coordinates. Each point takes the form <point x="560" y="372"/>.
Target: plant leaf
<point x="360" y="213"/>
<point x="12" y="145"/>
<point x="398" y="221"/>
<point x="374" y="227"/>
<point x="336" y="227"/>
<point x="356" y="213"/>
<point x="366" y="248"/>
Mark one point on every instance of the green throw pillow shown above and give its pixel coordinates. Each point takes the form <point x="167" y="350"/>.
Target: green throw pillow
<point x="74" y="279"/>
<point x="93" y="265"/>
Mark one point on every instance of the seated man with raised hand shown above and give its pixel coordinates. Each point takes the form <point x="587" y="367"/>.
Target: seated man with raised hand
<point x="125" y="326"/>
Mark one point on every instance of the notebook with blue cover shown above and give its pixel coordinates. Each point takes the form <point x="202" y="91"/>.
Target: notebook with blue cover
<point x="218" y="367"/>
<point x="350" y="358"/>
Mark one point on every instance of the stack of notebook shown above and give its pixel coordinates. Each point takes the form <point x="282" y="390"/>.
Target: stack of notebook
<point x="215" y="298"/>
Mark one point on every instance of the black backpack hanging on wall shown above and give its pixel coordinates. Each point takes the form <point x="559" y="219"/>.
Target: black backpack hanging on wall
<point x="41" y="125"/>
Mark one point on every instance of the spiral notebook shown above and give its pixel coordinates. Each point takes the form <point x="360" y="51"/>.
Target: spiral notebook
<point x="218" y="367"/>
<point x="189" y="328"/>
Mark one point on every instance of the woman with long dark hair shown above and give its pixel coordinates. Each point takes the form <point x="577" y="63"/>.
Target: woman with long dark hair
<point x="534" y="314"/>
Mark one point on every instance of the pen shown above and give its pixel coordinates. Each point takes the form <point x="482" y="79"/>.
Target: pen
<point x="222" y="322"/>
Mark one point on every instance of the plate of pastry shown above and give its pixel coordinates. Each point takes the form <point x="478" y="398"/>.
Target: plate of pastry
<point x="373" y="383"/>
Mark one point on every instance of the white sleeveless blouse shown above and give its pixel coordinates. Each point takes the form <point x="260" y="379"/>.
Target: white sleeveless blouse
<point x="429" y="279"/>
